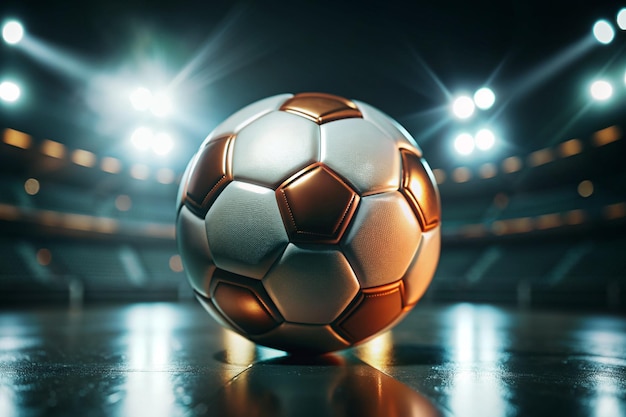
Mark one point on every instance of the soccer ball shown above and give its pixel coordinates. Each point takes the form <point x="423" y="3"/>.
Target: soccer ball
<point x="309" y="222"/>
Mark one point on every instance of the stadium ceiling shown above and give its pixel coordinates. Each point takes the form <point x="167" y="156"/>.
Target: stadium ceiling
<point x="215" y="57"/>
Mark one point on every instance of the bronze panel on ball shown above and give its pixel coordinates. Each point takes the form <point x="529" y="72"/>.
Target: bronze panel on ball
<point x="418" y="185"/>
<point x="374" y="309"/>
<point x="242" y="306"/>
<point x="316" y="205"/>
<point x="210" y="175"/>
<point x="321" y="107"/>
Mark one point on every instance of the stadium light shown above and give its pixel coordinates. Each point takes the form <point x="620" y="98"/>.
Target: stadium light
<point x="161" y="105"/>
<point x="142" y="138"/>
<point x="621" y="19"/>
<point x="464" y="144"/>
<point x="12" y="32"/>
<point x="141" y="98"/>
<point x="484" y="98"/>
<point x="463" y="107"/>
<point x="484" y="139"/>
<point x="9" y="91"/>
<point x="162" y="144"/>
<point x="603" y="32"/>
<point x="601" y="90"/>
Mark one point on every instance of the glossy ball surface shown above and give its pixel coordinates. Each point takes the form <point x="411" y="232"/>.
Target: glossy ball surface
<point x="309" y="222"/>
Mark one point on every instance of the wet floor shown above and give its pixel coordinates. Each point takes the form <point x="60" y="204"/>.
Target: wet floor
<point x="171" y="359"/>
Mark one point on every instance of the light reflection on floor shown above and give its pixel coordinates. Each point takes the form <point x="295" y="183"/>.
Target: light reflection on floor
<point x="171" y="359"/>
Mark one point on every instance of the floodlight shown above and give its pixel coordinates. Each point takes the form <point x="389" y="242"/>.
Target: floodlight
<point x="9" y="91"/>
<point x="603" y="31"/>
<point x="484" y="98"/>
<point x="601" y="90"/>
<point x="161" y="105"/>
<point x="463" y="107"/>
<point x="484" y="139"/>
<point x="621" y="19"/>
<point x="162" y="144"/>
<point x="464" y="144"/>
<point x="141" y="98"/>
<point x="12" y="32"/>
<point x="142" y="138"/>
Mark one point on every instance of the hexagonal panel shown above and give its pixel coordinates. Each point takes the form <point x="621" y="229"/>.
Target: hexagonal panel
<point x="316" y="205"/>
<point x="243" y="117"/>
<point x="193" y="246"/>
<point x="388" y="125"/>
<point x="382" y="239"/>
<point x="302" y="338"/>
<point x="362" y="154"/>
<point x="418" y="185"/>
<point x="245" y="230"/>
<point x="321" y="107"/>
<point x="209" y="175"/>
<point x="422" y="269"/>
<point x="375" y="309"/>
<point x="244" y="302"/>
<point x="311" y="286"/>
<point x="273" y="147"/>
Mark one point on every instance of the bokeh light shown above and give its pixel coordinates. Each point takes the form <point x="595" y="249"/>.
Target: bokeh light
<point x="141" y="98"/>
<point x="162" y="144"/>
<point x="601" y="90"/>
<point x="142" y="138"/>
<point x="12" y="32"/>
<point x="161" y="105"/>
<point x="9" y="91"/>
<point x="484" y="139"/>
<point x="621" y="19"/>
<point x="463" y="107"/>
<point x="464" y="144"/>
<point x="484" y="98"/>
<point x="603" y="31"/>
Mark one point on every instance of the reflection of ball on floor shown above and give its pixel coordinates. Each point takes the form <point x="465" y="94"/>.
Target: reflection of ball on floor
<point x="308" y="222"/>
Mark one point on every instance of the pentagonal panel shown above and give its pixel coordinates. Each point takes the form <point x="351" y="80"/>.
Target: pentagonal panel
<point x="418" y="185"/>
<point x="193" y="246"/>
<point x="273" y="147"/>
<point x="321" y="107"/>
<point x="245" y="230"/>
<point x="374" y="311"/>
<point x="362" y="154"/>
<point x="311" y="286"/>
<point x="388" y="125"/>
<point x="244" y="302"/>
<point x="209" y="175"/>
<point x="316" y="205"/>
<point x="422" y="269"/>
<point x="382" y="239"/>
<point x="302" y="338"/>
<point x="247" y="115"/>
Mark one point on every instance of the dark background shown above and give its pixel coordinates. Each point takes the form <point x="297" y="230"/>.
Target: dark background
<point x="526" y="237"/>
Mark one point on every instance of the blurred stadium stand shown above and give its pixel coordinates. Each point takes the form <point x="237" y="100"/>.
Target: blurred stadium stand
<point x="543" y="230"/>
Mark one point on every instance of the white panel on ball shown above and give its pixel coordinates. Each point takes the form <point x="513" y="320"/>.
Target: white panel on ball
<point x="361" y="153"/>
<point x="247" y="115"/>
<point x="422" y="269"/>
<point x="382" y="239"/>
<point x="245" y="230"/>
<point x="270" y="149"/>
<point x="389" y="126"/>
<point x="324" y="280"/>
<point x="193" y="246"/>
